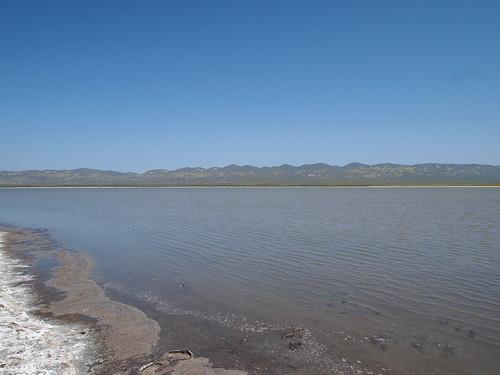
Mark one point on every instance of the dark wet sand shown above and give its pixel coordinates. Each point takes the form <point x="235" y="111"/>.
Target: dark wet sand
<point x="130" y="335"/>
<point x="130" y="332"/>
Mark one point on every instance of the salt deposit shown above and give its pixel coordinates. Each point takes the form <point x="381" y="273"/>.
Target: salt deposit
<point x="30" y="344"/>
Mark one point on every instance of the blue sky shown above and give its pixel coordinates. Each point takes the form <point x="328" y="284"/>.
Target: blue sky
<point x="164" y="84"/>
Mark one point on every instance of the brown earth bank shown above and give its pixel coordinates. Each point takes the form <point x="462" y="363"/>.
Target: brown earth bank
<point x="130" y="340"/>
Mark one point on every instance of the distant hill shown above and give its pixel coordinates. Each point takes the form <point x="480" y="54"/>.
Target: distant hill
<point x="246" y="175"/>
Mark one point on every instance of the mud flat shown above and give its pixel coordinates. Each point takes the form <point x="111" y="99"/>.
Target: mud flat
<point x="129" y="332"/>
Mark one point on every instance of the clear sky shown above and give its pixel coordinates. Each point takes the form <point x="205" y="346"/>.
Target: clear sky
<point x="164" y="84"/>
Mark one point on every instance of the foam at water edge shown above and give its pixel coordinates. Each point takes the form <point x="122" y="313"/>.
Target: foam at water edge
<point x="28" y="343"/>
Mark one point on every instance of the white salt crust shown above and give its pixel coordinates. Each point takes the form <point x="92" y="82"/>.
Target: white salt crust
<point x="30" y="344"/>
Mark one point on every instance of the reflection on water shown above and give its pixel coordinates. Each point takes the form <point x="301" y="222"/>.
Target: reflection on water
<point x="406" y="276"/>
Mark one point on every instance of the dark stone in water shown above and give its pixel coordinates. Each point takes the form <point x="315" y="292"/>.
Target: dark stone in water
<point x="443" y="321"/>
<point x="446" y="350"/>
<point x="380" y="339"/>
<point x="295" y="338"/>
<point x="418" y="347"/>
<point x="295" y="333"/>
<point x="471" y="333"/>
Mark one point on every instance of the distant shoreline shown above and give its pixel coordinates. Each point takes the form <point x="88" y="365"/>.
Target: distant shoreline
<point x="241" y="186"/>
<point x="285" y="175"/>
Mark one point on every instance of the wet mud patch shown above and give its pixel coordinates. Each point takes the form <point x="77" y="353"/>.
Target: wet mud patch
<point x="249" y="347"/>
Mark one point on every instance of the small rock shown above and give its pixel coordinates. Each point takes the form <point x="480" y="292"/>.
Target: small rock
<point x="145" y="366"/>
<point x="177" y="355"/>
<point x="447" y="351"/>
<point x="380" y="339"/>
<point x="295" y="345"/>
<point x="418" y="347"/>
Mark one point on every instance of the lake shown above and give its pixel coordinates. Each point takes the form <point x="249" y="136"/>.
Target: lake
<point x="405" y="277"/>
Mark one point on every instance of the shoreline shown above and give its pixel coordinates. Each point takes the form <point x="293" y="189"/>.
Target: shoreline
<point x="68" y="325"/>
<point x="255" y="187"/>
<point x="123" y="334"/>
<point x="153" y="272"/>
<point x="128" y="333"/>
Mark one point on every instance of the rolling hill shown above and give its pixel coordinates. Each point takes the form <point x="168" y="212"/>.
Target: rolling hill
<point x="246" y="175"/>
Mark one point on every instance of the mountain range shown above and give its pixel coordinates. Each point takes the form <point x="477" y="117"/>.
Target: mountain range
<point x="321" y="174"/>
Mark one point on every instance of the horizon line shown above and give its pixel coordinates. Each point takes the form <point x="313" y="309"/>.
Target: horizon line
<point x="249" y="165"/>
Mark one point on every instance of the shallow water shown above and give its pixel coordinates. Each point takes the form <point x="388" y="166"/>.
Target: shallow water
<point x="406" y="277"/>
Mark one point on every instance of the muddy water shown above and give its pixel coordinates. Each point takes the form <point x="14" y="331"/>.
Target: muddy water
<point x="404" y="280"/>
